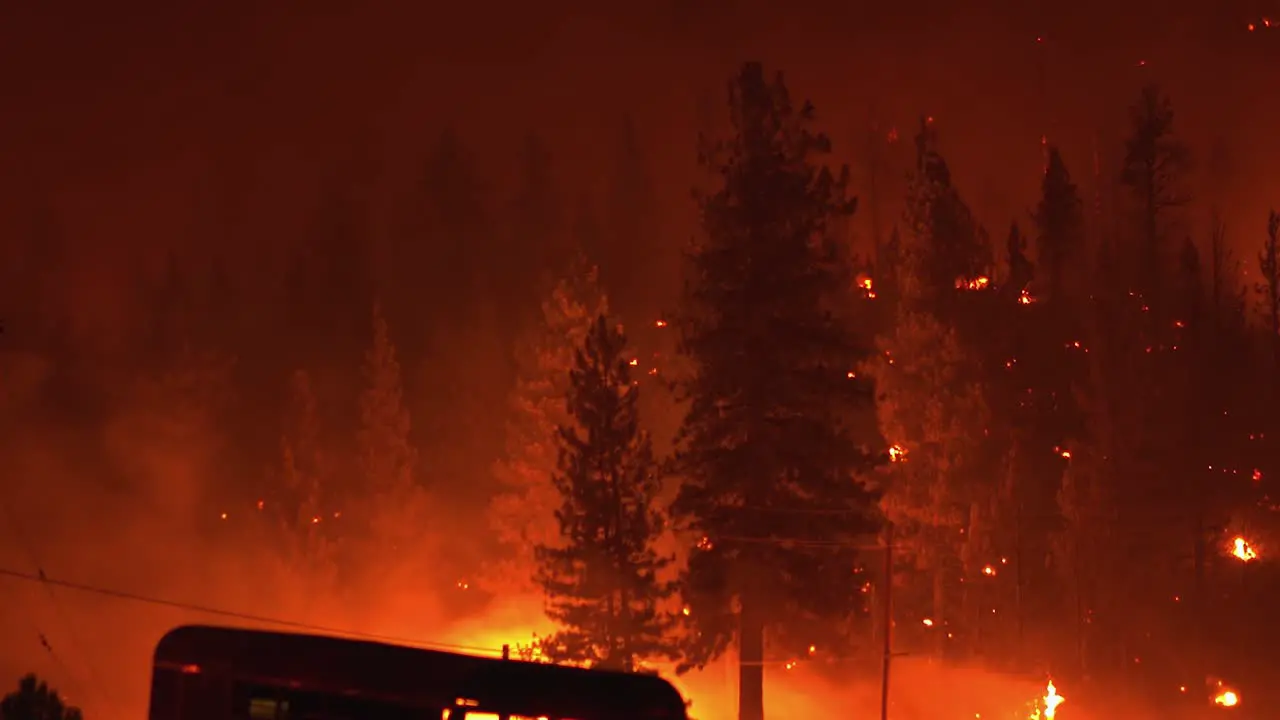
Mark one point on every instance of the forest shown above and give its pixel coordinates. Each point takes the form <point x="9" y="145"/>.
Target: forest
<point x="1061" y="424"/>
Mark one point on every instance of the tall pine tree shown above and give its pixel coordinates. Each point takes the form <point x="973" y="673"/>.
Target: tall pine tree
<point x="932" y="410"/>
<point x="772" y="467"/>
<point x="522" y="513"/>
<point x="602" y="583"/>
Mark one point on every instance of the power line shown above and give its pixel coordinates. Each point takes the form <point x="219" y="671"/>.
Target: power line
<point x="95" y="682"/>
<point x="247" y="617"/>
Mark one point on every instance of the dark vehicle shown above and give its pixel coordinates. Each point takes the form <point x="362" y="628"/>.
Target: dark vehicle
<point x="210" y="672"/>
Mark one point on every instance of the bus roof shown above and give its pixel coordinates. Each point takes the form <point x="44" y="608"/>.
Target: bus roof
<point x="426" y="677"/>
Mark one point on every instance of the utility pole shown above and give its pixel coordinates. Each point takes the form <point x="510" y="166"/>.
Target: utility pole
<point x="888" y="620"/>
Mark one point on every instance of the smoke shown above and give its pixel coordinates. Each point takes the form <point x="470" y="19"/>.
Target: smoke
<point x="129" y="504"/>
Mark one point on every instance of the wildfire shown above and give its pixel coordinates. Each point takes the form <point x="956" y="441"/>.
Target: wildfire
<point x="867" y="286"/>
<point x="897" y="453"/>
<point x="1242" y="550"/>
<point x="982" y="282"/>
<point x="1049" y="703"/>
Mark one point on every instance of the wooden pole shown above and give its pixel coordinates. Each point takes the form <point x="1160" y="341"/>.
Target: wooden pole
<point x="887" y="609"/>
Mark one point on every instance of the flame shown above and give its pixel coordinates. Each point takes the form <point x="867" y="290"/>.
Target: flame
<point x="1242" y="550"/>
<point x="897" y="453"/>
<point x="867" y="286"/>
<point x="660" y="323"/>
<point x="1024" y="298"/>
<point x="989" y="571"/>
<point x="1226" y="698"/>
<point x="982" y="282"/>
<point x="1051" y="701"/>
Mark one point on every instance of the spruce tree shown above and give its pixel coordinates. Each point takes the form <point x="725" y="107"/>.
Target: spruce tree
<point x="602" y="583"/>
<point x="522" y="513"/>
<point x="770" y="453"/>
<point x="932" y="411"/>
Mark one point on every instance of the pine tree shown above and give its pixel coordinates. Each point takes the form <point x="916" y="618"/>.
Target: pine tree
<point x="953" y="247"/>
<point x="1059" y="220"/>
<point x="387" y="460"/>
<point x="522" y="514"/>
<point x="769" y="452"/>
<point x="1154" y="163"/>
<point x="602" y="583"/>
<point x="35" y="700"/>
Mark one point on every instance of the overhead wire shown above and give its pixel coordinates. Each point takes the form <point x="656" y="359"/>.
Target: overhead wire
<point x="95" y="684"/>
<point x="233" y="614"/>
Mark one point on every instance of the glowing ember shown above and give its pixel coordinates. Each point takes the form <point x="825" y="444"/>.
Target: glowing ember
<point x="897" y="453"/>
<point x="660" y="323"/>
<point x="928" y="622"/>
<point x="1226" y="698"/>
<point x="1024" y="298"/>
<point x="1241" y="550"/>
<point x="989" y="571"/>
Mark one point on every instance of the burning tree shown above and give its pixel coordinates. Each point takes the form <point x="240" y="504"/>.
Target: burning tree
<point x="602" y="583"/>
<point x="771" y="450"/>
<point x="522" y="514"/>
<point x="35" y="700"/>
<point x="953" y="252"/>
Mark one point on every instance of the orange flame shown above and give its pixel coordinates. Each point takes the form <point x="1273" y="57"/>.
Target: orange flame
<point x="1241" y="550"/>
<point x="982" y="282"/>
<point x="1226" y="698"/>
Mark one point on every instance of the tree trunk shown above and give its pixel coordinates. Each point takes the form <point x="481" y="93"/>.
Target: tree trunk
<point x="939" y="606"/>
<point x="750" y="662"/>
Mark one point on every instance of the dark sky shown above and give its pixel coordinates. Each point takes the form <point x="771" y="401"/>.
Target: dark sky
<point x="141" y="125"/>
